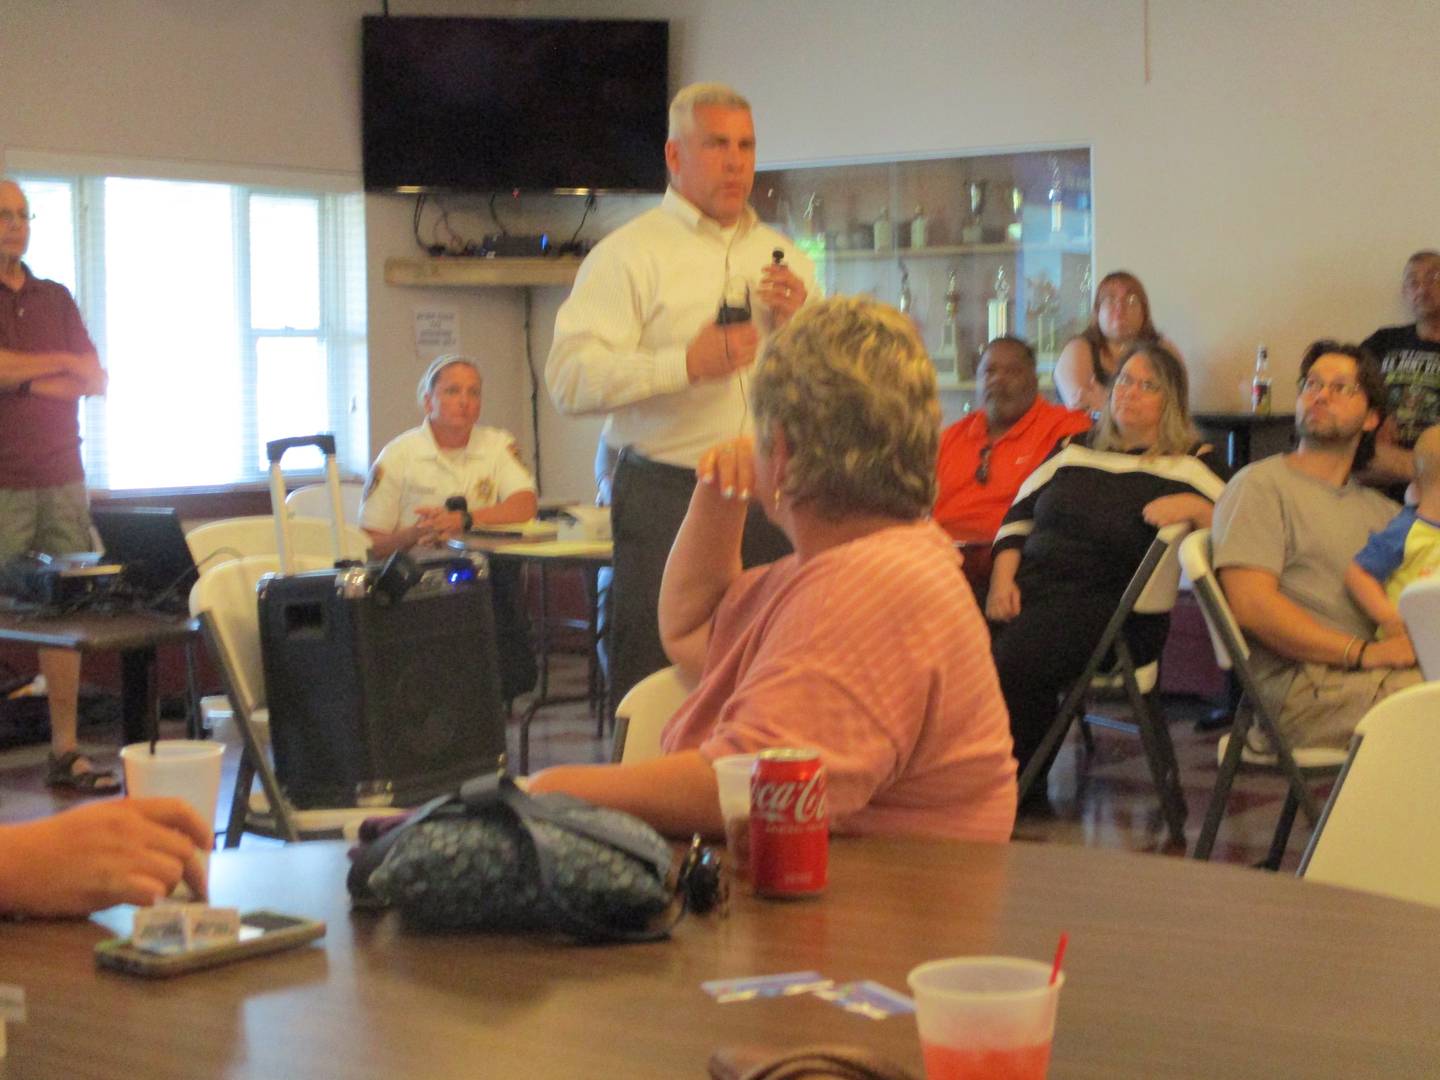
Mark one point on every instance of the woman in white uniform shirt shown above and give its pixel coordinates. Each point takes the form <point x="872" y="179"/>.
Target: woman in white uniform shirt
<point x="445" y="456"/>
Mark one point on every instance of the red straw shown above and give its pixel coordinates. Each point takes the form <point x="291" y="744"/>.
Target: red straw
<point x="1059" y="957"/>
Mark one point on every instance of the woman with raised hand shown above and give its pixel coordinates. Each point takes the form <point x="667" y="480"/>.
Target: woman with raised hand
<point x="865" y="644"/>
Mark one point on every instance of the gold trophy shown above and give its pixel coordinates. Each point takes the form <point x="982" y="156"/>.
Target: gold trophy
<point x="972" y="232"/>
<point x="1040" y="308"/>
<point x="947" y="358"/>
<point x="997" y="311"/>
<point x="1014" y="230"/>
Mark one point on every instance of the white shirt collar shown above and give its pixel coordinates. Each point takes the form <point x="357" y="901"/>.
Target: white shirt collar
<point x="470" y="448"/>
<point x="693" y="216"/>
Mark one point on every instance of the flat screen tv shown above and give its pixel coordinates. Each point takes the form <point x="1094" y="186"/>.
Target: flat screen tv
<point x="553" y="105"/>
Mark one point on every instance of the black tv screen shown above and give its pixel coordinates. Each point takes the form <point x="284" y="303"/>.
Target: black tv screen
<point x="514" y="104"/>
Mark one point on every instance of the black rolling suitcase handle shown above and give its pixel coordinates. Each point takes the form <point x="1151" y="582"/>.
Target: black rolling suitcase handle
<point x="274" y="451"/>
<point x="275" y="448"/>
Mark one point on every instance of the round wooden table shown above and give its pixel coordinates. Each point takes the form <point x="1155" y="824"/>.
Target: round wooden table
<point x="1175" y="969"/>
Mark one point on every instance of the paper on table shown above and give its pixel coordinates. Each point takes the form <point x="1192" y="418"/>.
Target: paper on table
<point x="559" y="549"/>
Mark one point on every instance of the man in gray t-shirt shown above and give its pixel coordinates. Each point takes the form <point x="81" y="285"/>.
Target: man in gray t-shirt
<point x="1285" y="529"/>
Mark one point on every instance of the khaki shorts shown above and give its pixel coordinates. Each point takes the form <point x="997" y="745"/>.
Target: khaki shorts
<point x="1325" y="703"/>
<point x="55" y="520"/>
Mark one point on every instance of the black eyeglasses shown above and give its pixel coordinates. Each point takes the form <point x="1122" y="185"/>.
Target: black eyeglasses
<point x="982" y="474"/>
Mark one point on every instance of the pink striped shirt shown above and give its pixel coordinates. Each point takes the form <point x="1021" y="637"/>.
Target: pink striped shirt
<point x="874" y="653"/>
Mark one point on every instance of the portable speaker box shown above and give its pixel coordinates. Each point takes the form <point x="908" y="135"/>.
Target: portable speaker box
<point x="377" y="701"/>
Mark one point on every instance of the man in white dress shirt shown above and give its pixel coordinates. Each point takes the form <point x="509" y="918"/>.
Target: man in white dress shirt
<point x="664" y="322"/>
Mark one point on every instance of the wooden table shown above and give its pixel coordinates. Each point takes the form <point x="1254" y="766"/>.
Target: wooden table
<point x="133" y="634"/>
<point x="1175" y="969"/>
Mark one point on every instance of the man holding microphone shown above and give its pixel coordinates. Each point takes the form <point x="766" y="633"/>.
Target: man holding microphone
<point x="660" y="331"/>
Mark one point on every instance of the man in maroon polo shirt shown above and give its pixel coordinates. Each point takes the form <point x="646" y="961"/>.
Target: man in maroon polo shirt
<point x="986" y="456"/>
<point x="47" y="364"/>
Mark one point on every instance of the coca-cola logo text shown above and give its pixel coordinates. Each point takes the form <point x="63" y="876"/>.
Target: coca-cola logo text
<point x="781" y="799"/>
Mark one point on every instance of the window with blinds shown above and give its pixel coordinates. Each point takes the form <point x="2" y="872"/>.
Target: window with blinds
<point x="225" y="314"/>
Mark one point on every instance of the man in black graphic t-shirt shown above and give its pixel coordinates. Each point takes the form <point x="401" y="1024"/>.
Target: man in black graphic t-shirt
<point x="1410" y="359"/>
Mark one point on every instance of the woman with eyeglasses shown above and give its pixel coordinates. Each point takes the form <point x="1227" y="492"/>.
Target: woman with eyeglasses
<point x="1078" y="529"/>
<point x="1119" y="320"/>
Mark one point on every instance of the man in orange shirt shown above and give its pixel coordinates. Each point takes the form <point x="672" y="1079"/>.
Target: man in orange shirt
<point x="985" y="457"/>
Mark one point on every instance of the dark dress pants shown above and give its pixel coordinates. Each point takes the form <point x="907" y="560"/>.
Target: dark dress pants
<point x="1042" y="651"/>
<point x="649" y="501"/>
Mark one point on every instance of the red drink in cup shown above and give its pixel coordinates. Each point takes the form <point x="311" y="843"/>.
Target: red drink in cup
<point x="1016" y="1063"/>
<point x="985" y="1017"/>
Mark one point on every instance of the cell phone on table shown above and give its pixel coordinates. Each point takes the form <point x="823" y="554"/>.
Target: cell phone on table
<point x="261" y="932"/>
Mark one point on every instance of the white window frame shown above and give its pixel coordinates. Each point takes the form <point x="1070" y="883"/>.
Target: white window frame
<point x="341" y="330"/>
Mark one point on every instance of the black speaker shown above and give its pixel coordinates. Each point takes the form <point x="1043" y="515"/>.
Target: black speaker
<point x="376" y="700"/>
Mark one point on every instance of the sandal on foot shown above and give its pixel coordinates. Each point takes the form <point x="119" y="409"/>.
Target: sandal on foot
<point x="61" y="775"/>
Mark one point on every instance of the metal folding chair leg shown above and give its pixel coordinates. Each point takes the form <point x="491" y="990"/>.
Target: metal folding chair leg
<point x="1220" y="796"/>
<point x="252" y="753"/>
<point x="1159" y="749"/>
<point x="239" y="801"/>
<point x="1283" y="828"/>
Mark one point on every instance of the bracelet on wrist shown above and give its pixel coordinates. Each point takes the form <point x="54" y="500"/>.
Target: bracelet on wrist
<point x="1345" y="662"/>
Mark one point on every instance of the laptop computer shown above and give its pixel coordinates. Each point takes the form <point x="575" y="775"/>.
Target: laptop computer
<point x="149" y="543"/>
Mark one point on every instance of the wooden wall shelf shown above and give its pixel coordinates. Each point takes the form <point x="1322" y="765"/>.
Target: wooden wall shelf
<point x="475" y="273"/>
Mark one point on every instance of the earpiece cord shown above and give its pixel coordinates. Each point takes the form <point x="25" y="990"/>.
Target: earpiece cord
<point x="740" y="375"/>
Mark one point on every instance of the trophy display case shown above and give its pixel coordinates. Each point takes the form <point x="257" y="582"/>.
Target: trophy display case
<point x="969" y="247"/>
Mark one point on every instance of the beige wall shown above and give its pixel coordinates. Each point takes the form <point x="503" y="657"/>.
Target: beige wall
<point x="1266" y="183"/>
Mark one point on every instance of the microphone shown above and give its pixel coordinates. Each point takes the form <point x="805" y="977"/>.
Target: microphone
<point x="457" y="502"/>
<point x="777" y="257"/>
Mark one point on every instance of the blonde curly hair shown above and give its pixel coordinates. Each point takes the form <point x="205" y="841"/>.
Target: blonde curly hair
<point x="850" y="385"/>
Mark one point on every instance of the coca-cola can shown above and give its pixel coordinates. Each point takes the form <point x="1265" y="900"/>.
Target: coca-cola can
<point x="789" y="824"/>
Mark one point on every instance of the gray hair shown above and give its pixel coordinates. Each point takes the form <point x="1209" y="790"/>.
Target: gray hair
<point x="439" y="364"/>
<point x="692" y="97"/>
<point x="850" y="385"/>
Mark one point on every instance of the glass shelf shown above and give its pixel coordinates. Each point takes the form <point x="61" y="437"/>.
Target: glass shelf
<point x="969" y="246"/>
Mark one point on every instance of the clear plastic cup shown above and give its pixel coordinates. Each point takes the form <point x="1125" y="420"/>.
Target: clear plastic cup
<point x="985" y="1017"/>
<point x="732" y="774"/>
<point x="185" y="769"/>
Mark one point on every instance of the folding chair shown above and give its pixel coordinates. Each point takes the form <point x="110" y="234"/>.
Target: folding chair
<point x="1151" y="591"/>
<point x="1380" y="830"/>
<point x="224" y="599"/>
<point x="1233" y="654"/>
<point x="642" y="712"/>
<point x="313" y="500"/>
<point x="1420" y="608"/>
<point x="235" y="538"/>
